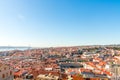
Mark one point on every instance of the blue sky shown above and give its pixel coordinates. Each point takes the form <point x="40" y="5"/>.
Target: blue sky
<point x="46" y="23"/>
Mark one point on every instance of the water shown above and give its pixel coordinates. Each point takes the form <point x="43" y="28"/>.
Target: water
<point x="13" y="48"/>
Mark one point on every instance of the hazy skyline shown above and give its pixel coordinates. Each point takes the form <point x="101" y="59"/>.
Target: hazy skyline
<point x="45" y="23"/>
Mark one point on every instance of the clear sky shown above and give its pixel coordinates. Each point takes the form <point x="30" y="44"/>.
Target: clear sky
<point x="45" y="23"/>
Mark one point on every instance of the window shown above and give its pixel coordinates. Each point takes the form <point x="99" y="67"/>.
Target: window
<point x="3" y="75"/>
<point x="5" y="68"/>
<point x="10" y="72"/>
<point x="6" y="74"/>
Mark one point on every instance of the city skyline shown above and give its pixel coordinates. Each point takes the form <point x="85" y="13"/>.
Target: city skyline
<point x="49" y="23"/>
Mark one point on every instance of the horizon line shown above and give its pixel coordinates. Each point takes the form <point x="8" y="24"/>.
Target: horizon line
<point x="60" y="46"/>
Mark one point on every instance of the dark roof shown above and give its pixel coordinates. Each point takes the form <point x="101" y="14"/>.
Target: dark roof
<point x="70" y="65"/>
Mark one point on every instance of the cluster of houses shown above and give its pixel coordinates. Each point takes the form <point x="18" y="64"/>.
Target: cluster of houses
<point x="61" y="63"/>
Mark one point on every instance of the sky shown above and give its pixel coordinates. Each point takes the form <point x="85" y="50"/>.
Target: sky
<point x="48" y="23"/>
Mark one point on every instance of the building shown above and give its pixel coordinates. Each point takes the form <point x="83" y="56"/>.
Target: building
<point x="47" y="77"/>
<point x="6" y="73"/>
<point x="115" y="69"/>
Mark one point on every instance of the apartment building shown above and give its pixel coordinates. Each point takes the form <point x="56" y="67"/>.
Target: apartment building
<point x="115" y="69"/>
<point x="6" y="73"/>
